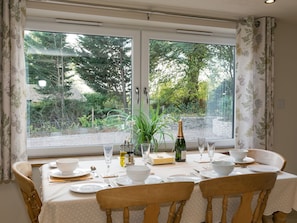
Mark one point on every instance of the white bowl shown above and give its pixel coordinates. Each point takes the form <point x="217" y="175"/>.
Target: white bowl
<point x="238" y="154"/>
<point x="67" y="165"/>
<point x="138" y="173"/>
<point x="223" y="168"/>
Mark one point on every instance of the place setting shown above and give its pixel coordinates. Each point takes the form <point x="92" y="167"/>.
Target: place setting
<point x="239" y="156"/>
<point x="225" y="165"/>
<point x="68" y="170"/>
<point x="139" y="174"/>
<point x="219" y="168"/>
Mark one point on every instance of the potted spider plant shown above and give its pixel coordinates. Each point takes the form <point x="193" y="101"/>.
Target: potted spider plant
<point x="151" y="129"/>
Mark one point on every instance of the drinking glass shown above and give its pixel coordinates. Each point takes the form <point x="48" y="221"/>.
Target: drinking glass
<point x="201" y="146"/>
<point x="145" y="151"/>
<point x="211" y="150"/>
<point x="108" y="151"/>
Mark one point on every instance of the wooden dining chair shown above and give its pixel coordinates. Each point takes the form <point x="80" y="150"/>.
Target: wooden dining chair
<point x="23" y="174"/>
<point x="148" y="196"/>
<point x="267" y="157"/>
<point x="244" y="186"/>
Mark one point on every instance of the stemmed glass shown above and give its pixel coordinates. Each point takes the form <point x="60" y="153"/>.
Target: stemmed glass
<point x="145" y="151"/>
<point x="108" y="151"/>
<point x="201" y="146"/>
<point x="211" y="150"/>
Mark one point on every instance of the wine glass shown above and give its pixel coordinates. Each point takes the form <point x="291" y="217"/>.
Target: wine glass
<point x="201" y="146"/>
<point x="145" y="151"/>
<point x="211" y="150"/>
<point x="108" y="151"/>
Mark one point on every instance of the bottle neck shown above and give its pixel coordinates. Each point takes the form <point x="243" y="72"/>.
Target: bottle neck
<point x="180" y="133"/>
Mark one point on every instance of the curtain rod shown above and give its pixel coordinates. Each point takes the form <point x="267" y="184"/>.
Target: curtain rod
<point x="148" y="13"/>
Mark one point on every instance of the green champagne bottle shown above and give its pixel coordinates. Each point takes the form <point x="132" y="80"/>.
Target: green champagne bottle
<point x="180" y="144"/>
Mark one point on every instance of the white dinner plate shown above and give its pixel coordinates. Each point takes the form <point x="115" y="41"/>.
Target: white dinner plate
<point x="183" y="177"/>
<point x="208" y="174"/>
<point x="245" y="160"/>
<point x="126" y="181"/>
<point x="76" y="173"/>
<point x="263" y="168"/>
<point x="88" y="188"/>
<point x="213" y="174"/>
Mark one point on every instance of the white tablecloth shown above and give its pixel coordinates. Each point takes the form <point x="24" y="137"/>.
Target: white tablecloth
<point x="60" y="205"/>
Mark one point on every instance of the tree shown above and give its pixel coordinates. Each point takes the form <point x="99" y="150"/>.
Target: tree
<point x="186" y="61"/>
<point x="104" y="62"/>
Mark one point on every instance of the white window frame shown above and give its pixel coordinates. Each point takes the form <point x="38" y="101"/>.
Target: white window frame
<point x="140" y="68"/>
<point x="52" y="26"/>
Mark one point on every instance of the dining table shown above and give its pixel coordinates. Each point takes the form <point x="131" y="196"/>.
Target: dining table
<point x="72" y="198"/>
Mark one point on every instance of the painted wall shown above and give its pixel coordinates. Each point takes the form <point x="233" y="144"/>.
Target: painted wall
<point x="11" y="204"/>
<point x="285" y="135"/>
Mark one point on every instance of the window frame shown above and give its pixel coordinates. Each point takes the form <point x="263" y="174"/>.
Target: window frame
<point x="52" y="26"/>
<point x="140" y="69"/>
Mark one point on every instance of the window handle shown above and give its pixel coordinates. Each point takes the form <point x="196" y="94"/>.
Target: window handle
<point x="145" y="92"/>
<point x="137" y="93"/>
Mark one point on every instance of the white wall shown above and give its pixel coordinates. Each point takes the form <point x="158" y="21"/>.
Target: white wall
<point x="11" y="204"/>
<point x="12" y="209"/>
<point x="285" y="135"/>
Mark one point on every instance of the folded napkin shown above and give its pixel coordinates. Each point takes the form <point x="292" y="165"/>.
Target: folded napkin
<point x="161" y="158"/>
<point x="109" y="176"/>
<point x="69" y="179"/>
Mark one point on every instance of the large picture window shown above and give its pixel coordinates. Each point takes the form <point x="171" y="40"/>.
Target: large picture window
<point x="82" y="86"/>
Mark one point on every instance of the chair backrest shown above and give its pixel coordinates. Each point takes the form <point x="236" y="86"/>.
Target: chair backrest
<point x="245" y="186"/>
<point x="23" y="174"/>
<point x="267" y="157"/>
<point x="150" y="197"/>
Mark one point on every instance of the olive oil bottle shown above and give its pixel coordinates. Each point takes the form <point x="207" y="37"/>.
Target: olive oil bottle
<point x="180" y="144"/>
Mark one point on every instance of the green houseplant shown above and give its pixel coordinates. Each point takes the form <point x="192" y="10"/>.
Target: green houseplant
<point x="151" y="128"/>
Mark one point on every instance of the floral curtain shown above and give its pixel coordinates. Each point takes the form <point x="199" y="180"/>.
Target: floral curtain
<point x="12" y="86"/>
<point x="254" y="83"/>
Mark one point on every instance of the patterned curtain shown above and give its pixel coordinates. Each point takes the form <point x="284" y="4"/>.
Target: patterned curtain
<point x="254" y="83"/>
<point x="12" y="86"/>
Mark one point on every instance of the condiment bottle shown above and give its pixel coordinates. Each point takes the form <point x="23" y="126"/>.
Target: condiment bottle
<point x="180" y="144"/>
<point x="123" y="154"/>
<point x="130" y="154"/>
